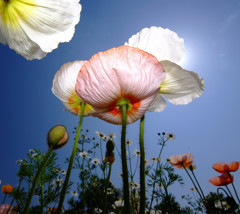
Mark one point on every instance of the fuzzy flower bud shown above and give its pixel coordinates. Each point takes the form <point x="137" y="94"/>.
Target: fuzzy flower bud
<point x="7" y="189"/>
<point x="57" y="137"/>
<point x="110" y="146"/>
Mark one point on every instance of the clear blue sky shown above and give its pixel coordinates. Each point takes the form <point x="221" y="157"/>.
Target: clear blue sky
<point x="208" y="127"/>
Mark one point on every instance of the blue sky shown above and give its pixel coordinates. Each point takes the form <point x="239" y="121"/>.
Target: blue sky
<point x="208" y="127"/>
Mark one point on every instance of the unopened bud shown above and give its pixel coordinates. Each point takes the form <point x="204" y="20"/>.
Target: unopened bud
<point x="57" y="137"/>
<point x="110" y="146"/>
<point x="109" y="157"/>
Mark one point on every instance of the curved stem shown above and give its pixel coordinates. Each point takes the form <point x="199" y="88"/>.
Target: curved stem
<point x="229" y="191"/>
<point x="41" y="168"/>
<point x="234" y="187"/>
<point x="142" y="168"/>
<point x="220" y="188"/>
<point x="124" y="160"/>
<point x="71" y="161"/>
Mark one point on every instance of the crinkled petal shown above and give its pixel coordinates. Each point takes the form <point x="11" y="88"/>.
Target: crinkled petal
<point x="222" y="180"/>
<point x="158" y="104"/>
<point x="123" y="72"/>
<point x="181" y="161"/>
<point x="64" y="87"/>
<point x="223" y="167"/>
<point x="41" y="24"/>
<point x="180" y="86"/>
<point x="162" y="43"/>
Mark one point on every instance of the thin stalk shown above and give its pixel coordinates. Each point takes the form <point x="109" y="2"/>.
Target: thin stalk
<point x="4" y="198"/>
<point x="42" y="196"/>
<point x="83" y="179"/>
<point x="220" y="188"/>
<point x="105" y="192"/>
<point x="142" y="168"/>
<point x="229" y="191"/>
<point x="71" y="161"/>
<point x="20" y="181"/>
<point x="124" y="160"/>
<point x="198" y="185"/>
<point x="154" y="180"/>
<point x="194" y="185"/>
<point x="234" y="187"/>
<point x="41" y="168"/>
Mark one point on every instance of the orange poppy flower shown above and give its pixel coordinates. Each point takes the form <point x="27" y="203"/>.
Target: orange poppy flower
<point x="7" y="188"/>
<point x="181" y="161"/>
<point x="226" y="167"/>
<point x="222" y="180"/>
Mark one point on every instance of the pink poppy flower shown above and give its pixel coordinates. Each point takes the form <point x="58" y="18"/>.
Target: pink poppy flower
<point x="226" y="167"/>
<point x="4" y="208"/>
<point x="181" y="161"/>
<point x="120" y="75"/>
<point x="222" y="180"/>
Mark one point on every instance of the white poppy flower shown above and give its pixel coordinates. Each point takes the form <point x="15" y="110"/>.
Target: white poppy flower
<point x="180" y="86"/>
<point x="64" y="87"/>
<point x="34" y="28"/>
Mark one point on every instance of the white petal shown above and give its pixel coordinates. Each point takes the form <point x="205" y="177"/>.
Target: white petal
<point x="34" y="27"/>
<point x="180" y="86"/>
<point x="52" y="22"/>
<point x="164" y="44"/>
<point x="158" y="104"/>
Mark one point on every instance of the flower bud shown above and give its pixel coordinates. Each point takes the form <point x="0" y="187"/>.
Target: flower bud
<point x="57" y="137"/>
<point x="110" y="146"/>
<point x="7" y="189"/>
<point x="109" y="157"/>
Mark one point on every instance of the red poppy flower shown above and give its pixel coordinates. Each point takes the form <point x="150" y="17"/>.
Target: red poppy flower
<point x="226" y="167"/>
<point x="181" y="161"/>
<point x="222" y="180"/>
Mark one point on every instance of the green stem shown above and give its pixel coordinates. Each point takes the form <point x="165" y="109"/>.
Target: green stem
<point x="71" y="161"/>
<point x="198" y="185"/>
<point x="154" y="180"/>
<point x="4" y="198"/>
<point x="194" y="185"/>
<point x="124" y="160"/>
<point x="20" y="181"/>
<point x="41" y="168"/>
<point x="142" y="168"/>
<point x="234" y="187"/>
<point x="229" y="192"/>
<point x="42" y="197"/>
<point x="105" y="192"/>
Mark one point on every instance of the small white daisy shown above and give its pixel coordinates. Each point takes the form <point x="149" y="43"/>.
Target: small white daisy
<point x="170" y="136"/>
<point x="95" y="161"/>
<point x="134" y="185"/>
<point x="35" y="155"/>
<point x="58" y="182"/>
<point x="31" y="150"/>
<point x="146" y="162"/>
<point x="100" y="134"/>
<point x="19" y="161"/>
<point x="112" y="136"/>
<point x="74" y="193"/>
<point x="118" y="203"/>
<point x="128" y="142"/>
<point x="83" y="154"/>
<point x="97" y="210"/>
<point x="136" y="152"/>
<point x="63" y="171"/>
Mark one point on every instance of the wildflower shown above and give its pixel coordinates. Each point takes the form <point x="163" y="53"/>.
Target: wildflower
<point x="97" y="210"/>
<point x="64" y="88"/>
<point x="222" y="180"/>
<point x="35" y="28"/>
<point x="170" y="136"/>
<point x="180" y="86"/>
<point x="31" y="151"/>
<point x="137" y="153"/>
<point x="100" y="134"/>
<point x="146" y="162"/>
<point x="134" y="185"/>
<point x="56" y="170"/>
<point x="74" y="193"/>
<point x="118" y="203"/>
<point x="57" y="183"/>
<point x="221" y="204"/>
<point x="112" y="136"/>
<point x="224" y="167"/>
<point x="83" y="154"/>
<point x="109" y="157"/>
<point x="159" y="186"/>
<point x="7" y="189"/>
<point x="192" y="189"/>
<point x="95" y="161"/>
<point x="35" y="155"/>
<point x="120" y="175"/>
<point x="156" y="159"/>
<point x="123" y="75"/>
<point x="19" y="161"/>
<point x="128" y="142"/>
<point x="110" y="191"/>
<point x="57" y="137"/>
<point x="63" y="171"/>
<point x="181" y="161"/>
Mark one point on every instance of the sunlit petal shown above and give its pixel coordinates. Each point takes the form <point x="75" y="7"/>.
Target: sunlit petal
<point x="158" y="104"/>
<point x="162" y="43"/>
<point x="180" y="86"/>
<point x="120" y="73"/>
<point x="34" y="27"/>
<point x="64" y="87"/>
